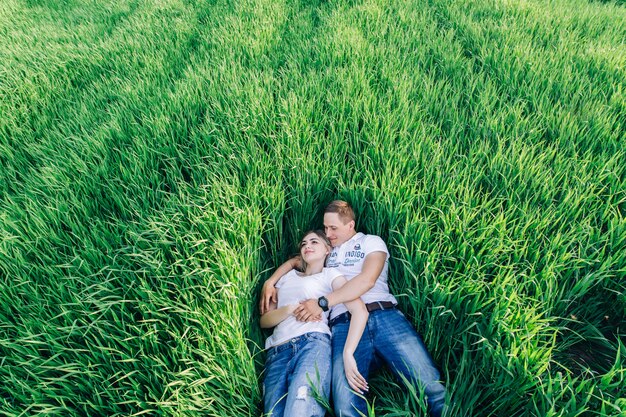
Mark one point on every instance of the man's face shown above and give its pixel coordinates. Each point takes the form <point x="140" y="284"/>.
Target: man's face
<point x="336" y="230"/>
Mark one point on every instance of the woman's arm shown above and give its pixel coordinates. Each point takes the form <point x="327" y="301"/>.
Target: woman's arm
<point x="357" y="326"/>
<point x="273" y="317"/>
<point x="268" y="293"/>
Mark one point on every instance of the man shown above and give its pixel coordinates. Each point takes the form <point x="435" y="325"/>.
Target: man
<point x="388" y="336"/>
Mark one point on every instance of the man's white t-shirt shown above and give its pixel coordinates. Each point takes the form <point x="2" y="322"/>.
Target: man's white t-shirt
<point x="348" y="258"/>
<point x="294" y="287"/>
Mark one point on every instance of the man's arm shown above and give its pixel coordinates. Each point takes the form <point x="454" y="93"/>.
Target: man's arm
<point x="268" y="293"/>
<point x="372" y="267"/>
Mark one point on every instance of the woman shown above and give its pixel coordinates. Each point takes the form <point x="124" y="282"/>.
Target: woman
<point x="298" y="365"/>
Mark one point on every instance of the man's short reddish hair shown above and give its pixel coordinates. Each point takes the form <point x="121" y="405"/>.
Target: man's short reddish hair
<point x="342" y="208"/>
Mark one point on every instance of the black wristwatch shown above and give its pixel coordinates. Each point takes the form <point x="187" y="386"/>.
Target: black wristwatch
<point x="323" y="303"/>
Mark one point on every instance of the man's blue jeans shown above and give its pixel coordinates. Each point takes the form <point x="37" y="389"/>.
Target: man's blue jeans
<point x="296" y="374"/>
<point x="389" y="337"/>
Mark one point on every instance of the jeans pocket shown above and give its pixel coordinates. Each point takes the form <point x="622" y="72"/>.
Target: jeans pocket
<point x="271" y="354"/>
<point x="320" y="337"/>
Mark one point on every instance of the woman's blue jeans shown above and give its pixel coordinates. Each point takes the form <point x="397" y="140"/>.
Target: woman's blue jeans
<point x="297" y="377"/>
<point x="389" y="337"/>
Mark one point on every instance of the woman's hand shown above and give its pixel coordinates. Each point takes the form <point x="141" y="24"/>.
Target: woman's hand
<point x="354" y="377"/>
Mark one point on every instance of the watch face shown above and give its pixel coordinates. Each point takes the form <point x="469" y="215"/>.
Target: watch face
<point x="323" y="302"/>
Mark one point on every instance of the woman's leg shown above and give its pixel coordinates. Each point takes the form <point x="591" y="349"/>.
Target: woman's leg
<point x="309" y="383"/>
<point x="275" y="382"/>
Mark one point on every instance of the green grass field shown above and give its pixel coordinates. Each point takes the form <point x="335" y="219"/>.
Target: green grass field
<point x="159" y="158"/>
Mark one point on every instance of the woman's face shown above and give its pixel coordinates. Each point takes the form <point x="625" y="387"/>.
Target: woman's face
<point x="313" y="248"/>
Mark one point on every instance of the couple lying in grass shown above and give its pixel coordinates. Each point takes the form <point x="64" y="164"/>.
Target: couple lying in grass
<point x="336" y="322"/>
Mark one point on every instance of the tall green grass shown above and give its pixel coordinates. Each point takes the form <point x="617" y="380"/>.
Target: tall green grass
<point x="160" y="158"/>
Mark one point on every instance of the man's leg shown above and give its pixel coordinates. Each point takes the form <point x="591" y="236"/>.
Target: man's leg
<point x="346" y="403"/>
<point x="397" y="342"/>
<point x="309" y="383"/>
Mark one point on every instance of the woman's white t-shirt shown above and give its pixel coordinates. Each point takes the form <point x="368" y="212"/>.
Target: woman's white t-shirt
<point x="293" y="288"/>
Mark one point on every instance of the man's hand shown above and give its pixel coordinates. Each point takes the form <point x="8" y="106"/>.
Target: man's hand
<point x="269" y="295"/>
<point x="354" y="377"/>
<point x="308" y="311"/>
